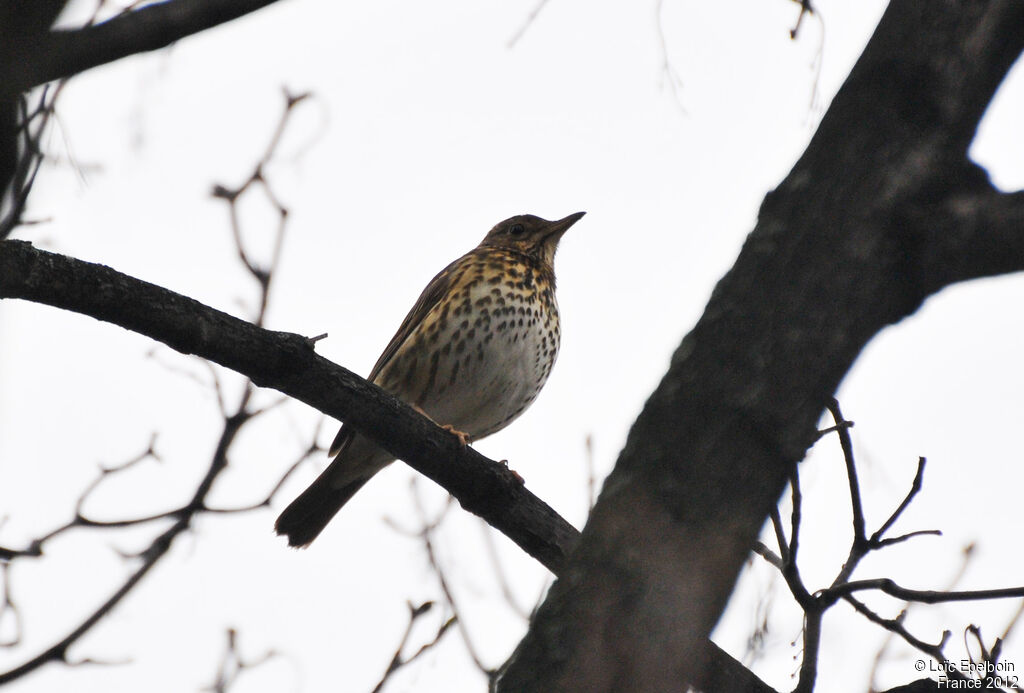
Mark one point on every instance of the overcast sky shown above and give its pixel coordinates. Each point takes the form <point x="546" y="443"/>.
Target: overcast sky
<point x="425" y="129"/>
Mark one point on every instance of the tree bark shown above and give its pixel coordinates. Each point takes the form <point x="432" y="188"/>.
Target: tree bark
<point x="882" y="210"/>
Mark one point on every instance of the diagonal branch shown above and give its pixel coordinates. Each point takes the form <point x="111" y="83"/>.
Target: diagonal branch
<point x="150" y="556"/>
<point x="895" y="625"/>
<point x="287" y="362"/>
<point x="397" y="660"/>
<point x="30" y="60"/>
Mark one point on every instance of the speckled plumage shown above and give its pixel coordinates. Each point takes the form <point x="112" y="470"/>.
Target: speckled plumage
<point x="473" y="353"/>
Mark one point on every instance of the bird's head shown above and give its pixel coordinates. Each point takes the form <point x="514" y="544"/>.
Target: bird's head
<point x="530" y="235"/>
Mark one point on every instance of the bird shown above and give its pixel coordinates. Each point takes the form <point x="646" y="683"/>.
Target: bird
<point x="472" y="354"/>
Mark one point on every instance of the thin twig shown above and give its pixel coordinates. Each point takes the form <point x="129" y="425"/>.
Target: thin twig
<point x="9" y="611"/>
<point x="896" y="626"/>
<point x="35" y="546"/>
<point x="428" y="543"/>
<point x="397" y="660"/>
<point x="967" y="553"/>
<point x="845" y="442"/>
<point x="530" y="19"/>
<point x="795" y="517"/>
<point x="232" y="664"/>
<point x="312" y="449"/>
<point x="182" y="516"/>
<point x="767" y="554"/>
<point x="499" y="572"/>
<point x="32" y="127"/>
<point x="669" y="74"/>
<point x="842" y="587"/>
<point x="780" y="534"/>
<point x="805" y="8"/>
<point x="232" y="196"/>
<point x="889" y="587"/>
<point x="915" y="488"/>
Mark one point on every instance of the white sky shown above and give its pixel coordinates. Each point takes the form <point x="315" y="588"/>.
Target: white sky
<point x="425" y="131"/>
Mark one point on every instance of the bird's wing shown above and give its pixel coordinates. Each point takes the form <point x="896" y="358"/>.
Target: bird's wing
<point x="430" y="297"/>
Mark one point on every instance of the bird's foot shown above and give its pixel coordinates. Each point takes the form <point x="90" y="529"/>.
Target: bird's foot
<point x="463" y="437"/>
<point x="516" y="474"/>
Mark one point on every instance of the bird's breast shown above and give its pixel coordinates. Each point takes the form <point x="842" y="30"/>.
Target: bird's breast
<point x="481" y="356"/>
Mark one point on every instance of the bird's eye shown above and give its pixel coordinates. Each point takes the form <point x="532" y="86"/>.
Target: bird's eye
<point x="516" y="229"/>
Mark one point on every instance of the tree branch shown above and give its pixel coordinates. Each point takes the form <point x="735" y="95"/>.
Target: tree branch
<point x="29" y="60"/>
<point x="287" y="362"/>
<point x="924" y="596"/>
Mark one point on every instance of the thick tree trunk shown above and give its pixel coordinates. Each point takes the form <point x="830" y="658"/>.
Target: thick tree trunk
<point x="883" y="209"/>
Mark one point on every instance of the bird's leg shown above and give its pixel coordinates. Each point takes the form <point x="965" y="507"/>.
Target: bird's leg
<point x="463" y="437"/>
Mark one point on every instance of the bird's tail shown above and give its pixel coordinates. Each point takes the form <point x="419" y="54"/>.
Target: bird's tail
<point x="306" y="516"/>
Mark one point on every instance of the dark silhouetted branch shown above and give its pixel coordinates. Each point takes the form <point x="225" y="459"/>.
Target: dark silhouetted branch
<point x="398" y="660"/>
<point x="29" y="60"/>
<point x="232" y="664"/>
<point x="287" y="362"/>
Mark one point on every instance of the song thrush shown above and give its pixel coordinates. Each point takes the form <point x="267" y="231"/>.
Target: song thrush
<point x="472" y="354"/>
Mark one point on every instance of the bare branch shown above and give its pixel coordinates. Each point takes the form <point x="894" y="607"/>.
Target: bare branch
<point x="966" y="559"/>
<point x="31" y="128"/>
<point x="232" y="195"/>
<point x="915" y="488"/>
<point x="9" y="611"/>
<point x="896" y="626"/>
<point x="889" y="587"/>
<point x="499" y="573"/>
<point x="805" y="8"/>
<point x="398" y="661"/>
<point x="429" y="527"/>
<point x="232" y="664"/>
<point x="39" y="58"/>
<point x="58" y="651"/>
<point x="287" y="363"/>
<point x="780" y="534"/>
<point x="182" y="516"/>
<point x="815" y="605"/>
<point x="35" y="546"/>
<point x="530" y="19"/>
<point x="767" y="554"/>
<point x="1016" y="619"/>
<point x="794" y="523"/>
<point x="909" y="535"/>
<point x="312" y="449"/>
<point x="846" y="443"/>
<point x="669" y="74"/>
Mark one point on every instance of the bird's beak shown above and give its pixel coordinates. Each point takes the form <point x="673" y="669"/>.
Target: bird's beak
<point x="557" y="228"/>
